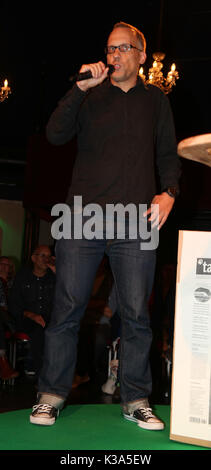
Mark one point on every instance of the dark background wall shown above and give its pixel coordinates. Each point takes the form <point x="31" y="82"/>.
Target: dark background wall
<point x="43" y="44"/>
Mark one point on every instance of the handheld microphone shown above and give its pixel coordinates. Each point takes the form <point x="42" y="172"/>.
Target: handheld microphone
<point x="78" y="77"/>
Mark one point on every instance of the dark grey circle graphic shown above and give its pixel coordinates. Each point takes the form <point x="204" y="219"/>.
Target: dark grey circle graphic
<point x="202" y="294"/>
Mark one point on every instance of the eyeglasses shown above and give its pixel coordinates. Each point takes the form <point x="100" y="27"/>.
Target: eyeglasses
<point x="121" y="47"/>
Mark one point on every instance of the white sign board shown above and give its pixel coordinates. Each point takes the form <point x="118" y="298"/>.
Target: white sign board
<point x="191" y="375"/>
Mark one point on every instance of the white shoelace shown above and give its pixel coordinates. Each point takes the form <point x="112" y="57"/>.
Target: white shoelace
<point x="147" y="412"/>
<point x="42" y="408"/>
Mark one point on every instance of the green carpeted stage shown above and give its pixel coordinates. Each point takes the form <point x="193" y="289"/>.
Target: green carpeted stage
<point x="86" y="427"/>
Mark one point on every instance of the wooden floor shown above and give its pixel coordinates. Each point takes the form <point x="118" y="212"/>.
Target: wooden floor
<point x="23" y="394"/>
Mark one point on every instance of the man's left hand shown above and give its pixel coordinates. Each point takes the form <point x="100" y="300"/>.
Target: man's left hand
<point x="51" y="264"/>
<point x="160" y="213"/>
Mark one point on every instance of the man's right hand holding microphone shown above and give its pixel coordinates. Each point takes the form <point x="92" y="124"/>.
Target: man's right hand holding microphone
<point x="99" y="72"/>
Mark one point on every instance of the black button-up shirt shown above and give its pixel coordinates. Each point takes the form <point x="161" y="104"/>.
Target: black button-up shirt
<point x="32" y="293"/>
<point x="126" y="143"/>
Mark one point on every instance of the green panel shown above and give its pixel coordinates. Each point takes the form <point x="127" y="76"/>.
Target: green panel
<point x="86" y="427"/>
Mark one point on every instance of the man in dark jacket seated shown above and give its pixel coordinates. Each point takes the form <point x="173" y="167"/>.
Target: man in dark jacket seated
<point x="31" y="298"/>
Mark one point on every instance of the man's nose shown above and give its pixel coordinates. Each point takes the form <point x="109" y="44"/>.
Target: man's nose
<point x="117" y="53"/>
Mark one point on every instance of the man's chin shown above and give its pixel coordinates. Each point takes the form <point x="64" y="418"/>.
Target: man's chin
<point x="118" y="77"/>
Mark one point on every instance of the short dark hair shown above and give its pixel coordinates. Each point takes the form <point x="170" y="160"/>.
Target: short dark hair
<point x="140" y="36"/>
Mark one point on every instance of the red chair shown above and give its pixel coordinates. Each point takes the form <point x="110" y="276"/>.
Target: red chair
<point x="13" y="340"/>
<point x="9" y="361"/>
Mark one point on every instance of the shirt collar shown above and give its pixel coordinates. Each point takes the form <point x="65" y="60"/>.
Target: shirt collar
<point x="139" y="83"/>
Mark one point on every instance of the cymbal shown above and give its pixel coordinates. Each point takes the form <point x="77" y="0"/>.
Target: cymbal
<point x="197" y="148"/>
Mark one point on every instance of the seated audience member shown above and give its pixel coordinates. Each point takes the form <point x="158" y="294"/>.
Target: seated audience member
<point x="31" y="299"/>
<point x="112" y="315"/>
<point x="6" y="321"/>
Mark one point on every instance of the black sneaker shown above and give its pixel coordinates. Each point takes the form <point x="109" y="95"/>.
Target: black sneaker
<point x="145" y="419"/>
<point x="44" y="414"/>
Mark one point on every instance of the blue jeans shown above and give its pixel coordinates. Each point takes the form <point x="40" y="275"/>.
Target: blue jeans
<point x="77" y="262"/>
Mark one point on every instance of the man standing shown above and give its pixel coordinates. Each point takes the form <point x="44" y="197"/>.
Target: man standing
<point x="125" y="136"/>
<point x="31" y="300"/>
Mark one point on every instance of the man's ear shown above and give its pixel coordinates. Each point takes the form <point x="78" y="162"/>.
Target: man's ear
<point x="33" y="258"/>
<point x="143" y="57"/>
